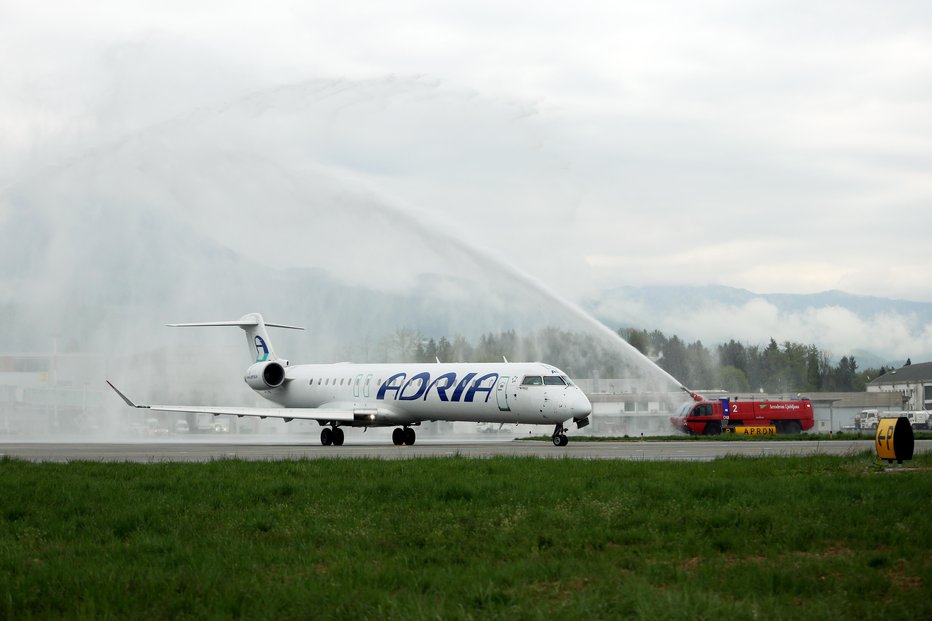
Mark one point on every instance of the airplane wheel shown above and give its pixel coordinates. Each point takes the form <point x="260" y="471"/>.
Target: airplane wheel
<point x="564" y="440"/>
<point x="557" y="441"/>
<point x="410" y="436"/>
<point x="337" y="436"/>
<point x="398" y="436"/>
<point x="326" y="436"/>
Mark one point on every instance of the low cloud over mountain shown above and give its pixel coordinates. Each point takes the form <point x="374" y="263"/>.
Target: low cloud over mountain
<point x="841" y="323"/>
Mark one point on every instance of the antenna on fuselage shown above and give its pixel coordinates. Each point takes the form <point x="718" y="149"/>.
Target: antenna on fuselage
<point x="504" y="358"/>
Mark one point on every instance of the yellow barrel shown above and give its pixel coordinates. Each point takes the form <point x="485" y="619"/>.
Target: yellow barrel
<point x="894" y="439"/>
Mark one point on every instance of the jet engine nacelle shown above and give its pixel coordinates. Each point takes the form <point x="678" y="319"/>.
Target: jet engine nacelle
<point x="265" y="375"/>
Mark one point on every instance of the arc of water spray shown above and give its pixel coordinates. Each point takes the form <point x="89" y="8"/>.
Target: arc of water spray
<point x="418" y="222"/>
<point x="415" y="220"/>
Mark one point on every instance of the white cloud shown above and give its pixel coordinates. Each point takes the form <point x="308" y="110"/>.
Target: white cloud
<point x="776" y="147"/>
<point x="837" y="330"/>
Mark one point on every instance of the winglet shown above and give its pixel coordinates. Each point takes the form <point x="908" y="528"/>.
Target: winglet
<point x="124" y="397"/>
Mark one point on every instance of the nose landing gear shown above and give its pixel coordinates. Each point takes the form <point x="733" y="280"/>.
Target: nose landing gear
<point x="559" y="435"/>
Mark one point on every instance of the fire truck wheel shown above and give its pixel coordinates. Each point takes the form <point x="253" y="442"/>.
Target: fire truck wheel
<point x="792" y="427"/>
<point x="712" y="429"/>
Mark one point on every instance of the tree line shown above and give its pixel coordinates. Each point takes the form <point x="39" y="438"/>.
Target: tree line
<point x="732" y="366"/>
<point x="736" y="367"/>
<point x="578" y="354"/>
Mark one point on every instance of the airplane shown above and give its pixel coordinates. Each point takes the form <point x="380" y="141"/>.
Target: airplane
<point x="402" y="395"/>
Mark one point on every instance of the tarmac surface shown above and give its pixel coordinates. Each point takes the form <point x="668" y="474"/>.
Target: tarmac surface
<point x="170" y="450"/>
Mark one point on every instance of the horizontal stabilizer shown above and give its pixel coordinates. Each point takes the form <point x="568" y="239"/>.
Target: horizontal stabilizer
<point x="257" y="339"/>
<point x="239" y="323"/>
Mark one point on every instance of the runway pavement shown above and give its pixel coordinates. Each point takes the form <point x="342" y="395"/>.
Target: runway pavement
<point x="193" y="451"/>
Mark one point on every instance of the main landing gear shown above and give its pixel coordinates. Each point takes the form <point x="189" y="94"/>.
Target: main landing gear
<point x="331" y="435"/>
<point x="559" y="435"/>
<point x="403" y="435"/>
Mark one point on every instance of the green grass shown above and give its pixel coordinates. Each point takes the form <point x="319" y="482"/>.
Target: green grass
<point x="783" y="538"/>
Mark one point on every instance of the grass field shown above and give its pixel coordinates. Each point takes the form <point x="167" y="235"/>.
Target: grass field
<point x="777" y="538"/>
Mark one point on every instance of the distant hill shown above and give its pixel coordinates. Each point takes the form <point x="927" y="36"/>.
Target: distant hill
<point x="876" y="330"/>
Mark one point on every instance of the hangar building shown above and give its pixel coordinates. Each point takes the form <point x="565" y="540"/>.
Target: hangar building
<point x="913" y="383"/>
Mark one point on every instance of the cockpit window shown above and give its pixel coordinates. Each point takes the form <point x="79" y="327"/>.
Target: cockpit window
<point x="532" y="380"/>
<point x="553" y="380"/>
<point x="568" y="381"/>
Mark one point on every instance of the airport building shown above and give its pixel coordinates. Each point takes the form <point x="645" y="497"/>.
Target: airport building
<point x="913" y="383"/>
<point x="41" y="392"/>
<point x="64" y="393"/>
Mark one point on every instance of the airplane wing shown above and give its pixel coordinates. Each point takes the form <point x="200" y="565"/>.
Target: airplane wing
<point x="287" y="414"/>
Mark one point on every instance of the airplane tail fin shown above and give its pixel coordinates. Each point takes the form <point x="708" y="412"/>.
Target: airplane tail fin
<point x="257" y="338"/>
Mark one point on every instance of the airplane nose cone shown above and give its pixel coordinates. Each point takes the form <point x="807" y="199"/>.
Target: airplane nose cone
<point x="580" y="406"/>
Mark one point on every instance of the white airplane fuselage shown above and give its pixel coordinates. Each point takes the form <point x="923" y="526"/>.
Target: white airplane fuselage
<point x="400" y="395"/>
<point x="393" y="394"/>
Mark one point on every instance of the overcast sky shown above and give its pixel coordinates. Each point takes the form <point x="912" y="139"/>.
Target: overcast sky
<point x="775" y="146"/>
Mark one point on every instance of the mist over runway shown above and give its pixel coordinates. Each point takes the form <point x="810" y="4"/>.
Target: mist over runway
<point x="175" y="451"/>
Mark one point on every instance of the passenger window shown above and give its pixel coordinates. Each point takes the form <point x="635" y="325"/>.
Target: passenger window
<point x="532" y="380"/>
<point x="553" y="380"/>
<point x="341" y="381"/>
<point x="328" y="382"/>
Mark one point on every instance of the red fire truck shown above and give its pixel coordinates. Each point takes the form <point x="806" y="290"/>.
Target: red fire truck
<point x="703" y="417"/>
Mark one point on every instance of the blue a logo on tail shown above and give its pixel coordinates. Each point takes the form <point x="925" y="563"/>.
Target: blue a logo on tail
<point x="262" y="350"/>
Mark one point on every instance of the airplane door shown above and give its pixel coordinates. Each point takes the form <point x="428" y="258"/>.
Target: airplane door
<point x="366" y="388"/>
<point x="501" y="394"/>
<point x="356" y="386"/>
